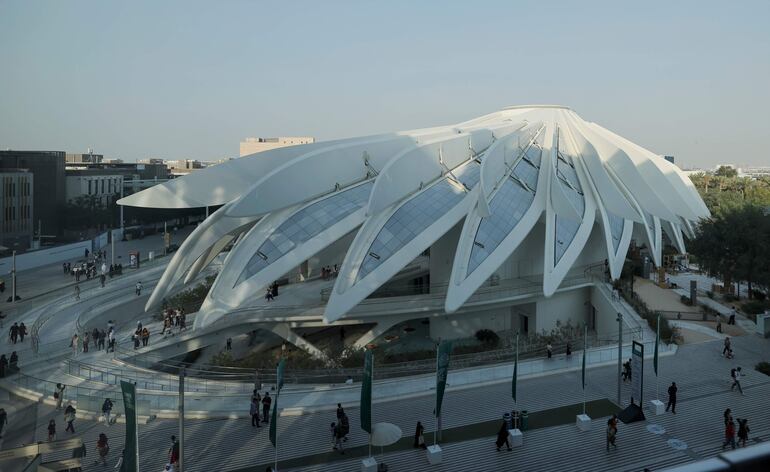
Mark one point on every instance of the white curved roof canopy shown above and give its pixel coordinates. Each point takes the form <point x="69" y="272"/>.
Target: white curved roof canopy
<point x="497" y="177"/>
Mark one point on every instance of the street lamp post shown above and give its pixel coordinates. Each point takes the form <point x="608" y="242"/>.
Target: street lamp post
<point x="620" y="352"/>
<point x="13" y="277"/>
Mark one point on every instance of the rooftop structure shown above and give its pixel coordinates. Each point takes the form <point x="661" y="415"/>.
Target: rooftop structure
<point x="494" y="222"/>
<point x="255" y="145"/>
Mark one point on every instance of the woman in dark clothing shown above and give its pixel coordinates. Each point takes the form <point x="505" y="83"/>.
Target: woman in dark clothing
<point x="3" y="365"/>
<point x="743" y="432"/>
<point x="502" y="437"/>
<point x="419" y="439"/>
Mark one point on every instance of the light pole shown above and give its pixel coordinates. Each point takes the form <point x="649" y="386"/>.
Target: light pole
<point x="13" y="277"/>
<point x="620" y="353"/>
<point x="180" y="465"/>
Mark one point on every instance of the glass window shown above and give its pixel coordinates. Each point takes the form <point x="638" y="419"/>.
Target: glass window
<point x="417" y="213"/>
<point x="306" y="224"/>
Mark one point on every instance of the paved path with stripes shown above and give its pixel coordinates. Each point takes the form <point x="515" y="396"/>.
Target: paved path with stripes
<point x="699" y="370"/>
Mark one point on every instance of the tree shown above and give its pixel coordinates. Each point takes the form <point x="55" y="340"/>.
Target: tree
<point x="726" y="171"/>
<point x="733" y="244"/>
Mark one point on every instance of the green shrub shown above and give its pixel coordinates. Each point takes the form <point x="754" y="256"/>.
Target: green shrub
<point x="488" y="337"/>
<point x="763" y="367"/>
<point x="755" y="307"/>
<point x="710" y="294"/>
<point x="729" y="297"/>
<point x="685" y="299"/>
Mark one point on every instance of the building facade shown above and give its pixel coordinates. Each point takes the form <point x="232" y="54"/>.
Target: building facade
<point x="513" y="221"/>
<point x="254" y="145"/>
<point x="47" y="168"/>
<point x="100" y="185"/>
<point x="17" y="214"/>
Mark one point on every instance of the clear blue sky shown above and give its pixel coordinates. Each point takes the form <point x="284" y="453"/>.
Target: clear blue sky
<point x="188" y="79"/>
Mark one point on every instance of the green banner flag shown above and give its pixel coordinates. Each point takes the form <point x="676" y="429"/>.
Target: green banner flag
<point x="442" y="369"/>
<point x="274" y="420"/>
<point x="515" y="370"/>
<point x="657" y="340"/>
<point x="131" y="449"/>
<point x="274" y="414"/>
<point x="279" y="374"/>
<point x="366" y="393"/>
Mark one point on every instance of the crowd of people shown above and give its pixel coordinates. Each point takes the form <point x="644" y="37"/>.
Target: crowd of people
<point x="328" y="273"/>
<point x="173" y="319"/>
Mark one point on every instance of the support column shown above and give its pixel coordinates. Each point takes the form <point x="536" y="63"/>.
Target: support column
<point x="377" y="330"/>
<point x="284" y="330"/>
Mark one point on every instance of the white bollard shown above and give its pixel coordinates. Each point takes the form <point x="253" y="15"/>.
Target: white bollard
<point x="583" y="422"/>
<point x="516" y="437"/>
<point x="658" y="407"/>
<point x="434" y="454"/>
<point x="369" y="465"/>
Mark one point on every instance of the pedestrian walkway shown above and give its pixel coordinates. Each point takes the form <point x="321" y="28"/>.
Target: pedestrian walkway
<point x="699" y="370"/>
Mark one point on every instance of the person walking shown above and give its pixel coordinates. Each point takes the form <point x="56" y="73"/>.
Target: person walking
<point x="77" y="292"/>
<point x="102" y="448"/>
<point x="728" y="416"/>
<point x="672" y="397"/>
<point x="22" y="332"/>
<point x="719" y="323"/>
<point x="69" y="417"/>
<point x="229" y="344"/>
<point x="502" y="437"/>
<point x="3" y="365"/>
<point x="743" y="431"/>
<point x="549" y="350"/>
<point x="173" y="452"/>
<point x="338" y="435"/>
<point x="727" y="346"/>
<point x="266" y="401"/>
<point x="419" y="438"/>
<point x="138" y="288"/>
<point x="13" y="333"/>
<point x="612" y="432"/>
<point x="86" y="339"/>
<point x="340" y="411"/>
<point x="736" y="375"/>
<point x="254" y="412"/>
<point x="731" y="321"/>
<point x="58" y="395"/>
<point x="107" y="410"/>
<point x="344" y="426"/>
<point x="74" y="344"/>
<point x="729" y="434"/>
<point x="51" y="430"/>
<point x="3" y="421"/>
<point x="13" y="363"/>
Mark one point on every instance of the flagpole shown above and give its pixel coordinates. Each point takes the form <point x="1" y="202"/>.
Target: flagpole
<point x="657" y="366"/>
<point x="370" y="410"/>
<point x="435" y="416"/>
<point x="585" y="347"/>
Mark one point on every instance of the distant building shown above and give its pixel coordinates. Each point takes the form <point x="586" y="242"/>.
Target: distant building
<point x="89" y="158"/>
<point x="16" y="202"/>
<point x="669" y="159"/>
<point x="754" y="171"/>
<point x="47" y="167"/>
<point x="254" y="145"/>
<point x="102" y="184"/>
<point x="183" y="166"/>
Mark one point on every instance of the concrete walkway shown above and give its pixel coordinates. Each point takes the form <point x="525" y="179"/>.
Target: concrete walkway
<point x="699" y="370"/>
